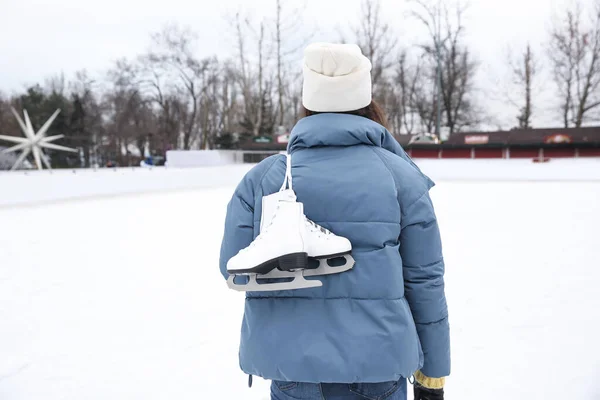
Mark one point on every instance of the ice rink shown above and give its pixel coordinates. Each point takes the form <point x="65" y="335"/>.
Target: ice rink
<point x="120" y="297"/>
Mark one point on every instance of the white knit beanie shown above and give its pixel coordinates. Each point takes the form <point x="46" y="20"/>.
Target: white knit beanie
<point x="337" y="78"/>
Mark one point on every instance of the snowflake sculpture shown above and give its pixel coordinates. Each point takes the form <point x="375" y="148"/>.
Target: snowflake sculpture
<point x="34" y="142"/>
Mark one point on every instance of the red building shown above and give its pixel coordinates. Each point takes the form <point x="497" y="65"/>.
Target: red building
<point x="519" y="143"/>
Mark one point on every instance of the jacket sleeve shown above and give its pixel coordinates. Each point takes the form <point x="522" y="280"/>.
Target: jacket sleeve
<point x="239" y="221"/>
<point x="423" y="268"/>
<point x="239" y="228"/>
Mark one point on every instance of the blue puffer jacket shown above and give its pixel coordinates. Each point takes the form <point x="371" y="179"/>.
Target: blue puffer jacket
<point x="380" y="321"/>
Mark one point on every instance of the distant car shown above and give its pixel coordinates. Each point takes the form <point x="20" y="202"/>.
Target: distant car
<point x="424" y="138"/>
<point x="158" y="160"/>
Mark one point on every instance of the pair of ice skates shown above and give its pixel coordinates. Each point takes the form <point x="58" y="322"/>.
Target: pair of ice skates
<point x="286" y="243"/>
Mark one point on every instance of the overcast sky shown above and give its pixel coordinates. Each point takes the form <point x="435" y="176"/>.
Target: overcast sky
<point x="39" y="38"/>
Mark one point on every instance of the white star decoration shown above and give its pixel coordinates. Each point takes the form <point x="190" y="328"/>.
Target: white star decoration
<point x="34" y="142"/>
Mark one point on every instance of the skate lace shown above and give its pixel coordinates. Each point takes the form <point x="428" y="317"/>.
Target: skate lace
<point x="313" y="227"/>
<point x="319" y="230"/>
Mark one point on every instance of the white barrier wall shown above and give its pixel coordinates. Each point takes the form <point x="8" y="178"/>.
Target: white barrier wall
<point x="202" y="158"/>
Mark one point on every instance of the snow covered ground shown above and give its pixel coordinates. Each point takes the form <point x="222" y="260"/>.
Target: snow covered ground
<point x="42" y="187"/>
<point x="121" y="298"/>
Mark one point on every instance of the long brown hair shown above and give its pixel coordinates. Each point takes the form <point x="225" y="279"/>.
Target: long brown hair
<point x="373" y="112"/>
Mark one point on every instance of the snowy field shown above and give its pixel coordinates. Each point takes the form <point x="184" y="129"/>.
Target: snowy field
<point x="120" y="297"/>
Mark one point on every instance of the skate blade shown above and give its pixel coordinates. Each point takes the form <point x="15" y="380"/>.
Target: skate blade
<point x="253" y="286"/>
<point x="326" y="269"/>
<point x="298" y="283"/>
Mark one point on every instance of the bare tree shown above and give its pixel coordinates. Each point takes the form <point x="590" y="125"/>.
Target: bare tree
<point x="524" y="70"/>
<point x="153" y="81"/>
<point x="452" y="62"/>
<point x="425" y="99"/>
<point x="174" y="52"/>
<point x="225" y="100"/>
<point x="407" y="80"/>
<point x="56" y="84"/>
<point x="86" y="119"/>
<point x="288" y="41"/>
<point x="375" y="38"/>
<point x="574" y="51"/>
<point x="210" y="107"/>
<point x="8" y="124"/>
<point x="278" y="40"/>
<point x="251" y="82"/>
<point x="130" y="118"/>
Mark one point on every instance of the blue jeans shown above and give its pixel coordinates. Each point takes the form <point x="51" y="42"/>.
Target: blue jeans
<point x="338" y="391"/>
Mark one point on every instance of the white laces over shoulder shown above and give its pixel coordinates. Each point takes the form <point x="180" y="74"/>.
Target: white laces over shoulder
<point x="287" y="181"/>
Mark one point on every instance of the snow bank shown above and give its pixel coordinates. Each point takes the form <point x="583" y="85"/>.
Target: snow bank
<point x="581" y="169"/>
<point x="203" y="158"/>
<point x="47" y="186"/>
<point x="32" y="187"/>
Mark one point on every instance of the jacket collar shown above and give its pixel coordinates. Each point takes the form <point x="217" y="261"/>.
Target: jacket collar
<point x="334" y="129"/>
<point x="343" y="130"/>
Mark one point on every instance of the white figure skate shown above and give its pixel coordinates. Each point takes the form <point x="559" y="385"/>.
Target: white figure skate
<point x="286" y="241"/>
<point x="282" y="250"/>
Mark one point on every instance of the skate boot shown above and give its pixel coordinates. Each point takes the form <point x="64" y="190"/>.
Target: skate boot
<point x="278" y="252"/>
<point x="322" y="245"/>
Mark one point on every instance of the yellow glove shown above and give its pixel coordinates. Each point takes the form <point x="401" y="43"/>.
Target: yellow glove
<point x="429" y="383"/>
